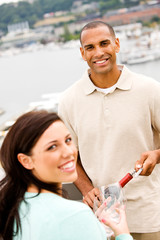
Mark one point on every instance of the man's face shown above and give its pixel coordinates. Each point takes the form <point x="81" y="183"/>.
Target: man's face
<point x="99" y="49"/>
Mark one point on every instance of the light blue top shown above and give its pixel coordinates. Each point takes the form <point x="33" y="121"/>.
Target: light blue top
<point x="124" y="237"/>
<point x="51" y="217"/>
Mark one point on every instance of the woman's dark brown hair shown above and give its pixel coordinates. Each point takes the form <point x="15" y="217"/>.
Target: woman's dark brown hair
<point x="21" y="138"/>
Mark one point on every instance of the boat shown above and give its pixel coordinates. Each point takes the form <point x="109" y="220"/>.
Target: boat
<point x="140" y="56"/>
<point x="49" y="102"/>
<point x="140" y="59"/>
<point x="144" y="49"/>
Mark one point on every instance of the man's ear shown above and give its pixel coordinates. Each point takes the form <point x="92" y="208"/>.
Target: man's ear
<point x="25" y="160"/>
<point x="82" y="53"/>
<point x="117" y="47"/>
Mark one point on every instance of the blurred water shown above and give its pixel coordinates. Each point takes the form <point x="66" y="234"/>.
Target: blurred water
<point x="25" y="77"/>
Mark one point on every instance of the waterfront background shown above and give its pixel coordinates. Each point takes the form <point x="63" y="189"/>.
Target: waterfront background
<point x="37" y="56"/>
<point x="26" y="76"/>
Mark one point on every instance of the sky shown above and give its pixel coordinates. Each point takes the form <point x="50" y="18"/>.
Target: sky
<point x="7" y="1"/>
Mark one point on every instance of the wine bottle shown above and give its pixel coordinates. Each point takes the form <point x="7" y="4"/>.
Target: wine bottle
<point x="129" y="176"/>
<point x="115" y="188"/>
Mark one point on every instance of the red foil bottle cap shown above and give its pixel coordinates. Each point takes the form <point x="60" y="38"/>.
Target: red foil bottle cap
<point x="125" y="180"/>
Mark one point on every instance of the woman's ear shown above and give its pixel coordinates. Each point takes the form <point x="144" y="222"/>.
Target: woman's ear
<point x="25" y="160"/>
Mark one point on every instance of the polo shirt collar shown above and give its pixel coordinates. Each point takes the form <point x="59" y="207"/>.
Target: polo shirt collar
<point x="89" y="86"/>
<point x="124" y="82"/>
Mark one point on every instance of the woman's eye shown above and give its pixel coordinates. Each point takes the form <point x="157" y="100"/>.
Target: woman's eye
<point x="52" y="147"/>
<point x="68" y="139"/>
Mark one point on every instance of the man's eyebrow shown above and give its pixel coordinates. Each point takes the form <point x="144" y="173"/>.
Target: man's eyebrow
<point x="91" y="45"/>
<point x="88" y="45"/>
<point x="106" y="40"/>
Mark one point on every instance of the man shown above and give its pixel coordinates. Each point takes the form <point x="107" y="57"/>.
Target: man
<point x="114" y="117"/>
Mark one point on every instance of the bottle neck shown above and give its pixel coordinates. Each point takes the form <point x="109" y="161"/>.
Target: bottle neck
<point x="125" y="180"/>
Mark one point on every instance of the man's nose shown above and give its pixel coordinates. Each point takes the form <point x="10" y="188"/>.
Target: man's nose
<point x="99" y="52"/>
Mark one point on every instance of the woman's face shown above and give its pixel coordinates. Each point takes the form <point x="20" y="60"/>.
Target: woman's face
<point x="54" y="156"/>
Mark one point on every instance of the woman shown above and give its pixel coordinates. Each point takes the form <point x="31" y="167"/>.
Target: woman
<point x="38" y="155"/>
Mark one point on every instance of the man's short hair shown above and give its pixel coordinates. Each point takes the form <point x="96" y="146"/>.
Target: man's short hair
<point x="96" y="24"/>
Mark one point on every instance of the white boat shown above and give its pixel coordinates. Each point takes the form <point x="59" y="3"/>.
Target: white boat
<point x="135" y="56"/>
<point x="143" y="49"/>
<point x="50" y="104"/>
<point x="142" y="59"/>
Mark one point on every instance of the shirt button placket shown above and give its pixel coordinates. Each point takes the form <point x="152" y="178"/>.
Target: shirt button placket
<point x="107" y="113"/>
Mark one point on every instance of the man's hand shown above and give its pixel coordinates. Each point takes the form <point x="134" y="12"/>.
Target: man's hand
<point x="90" y="196"/>
<point x="148" y="161"/>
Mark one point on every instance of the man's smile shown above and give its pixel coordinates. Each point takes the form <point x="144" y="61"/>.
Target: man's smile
<point x="101" y="61"/>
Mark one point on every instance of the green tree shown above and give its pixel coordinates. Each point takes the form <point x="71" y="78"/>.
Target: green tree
<point x="67" y="36"/>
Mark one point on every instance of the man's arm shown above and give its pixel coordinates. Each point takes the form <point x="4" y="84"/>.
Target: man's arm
<point x="148" y="161"/>
<point x="84" y="184"/>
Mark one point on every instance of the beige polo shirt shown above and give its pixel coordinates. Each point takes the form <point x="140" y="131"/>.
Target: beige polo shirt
<point x="111" y="131"/>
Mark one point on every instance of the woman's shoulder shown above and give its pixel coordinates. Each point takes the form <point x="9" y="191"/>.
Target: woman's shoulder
<point x="53" y="207"/>
<point x="68" y="217"/>
<point x="54" y="203"/>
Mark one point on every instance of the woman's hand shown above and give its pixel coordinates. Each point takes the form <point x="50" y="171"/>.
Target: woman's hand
<point x="118" y="228"/>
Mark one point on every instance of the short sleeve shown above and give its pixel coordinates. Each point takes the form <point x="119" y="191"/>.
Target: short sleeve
<point x="124" y="237"/>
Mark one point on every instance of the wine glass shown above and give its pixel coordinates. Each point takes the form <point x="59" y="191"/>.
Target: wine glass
<point x="114" y="197"/>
